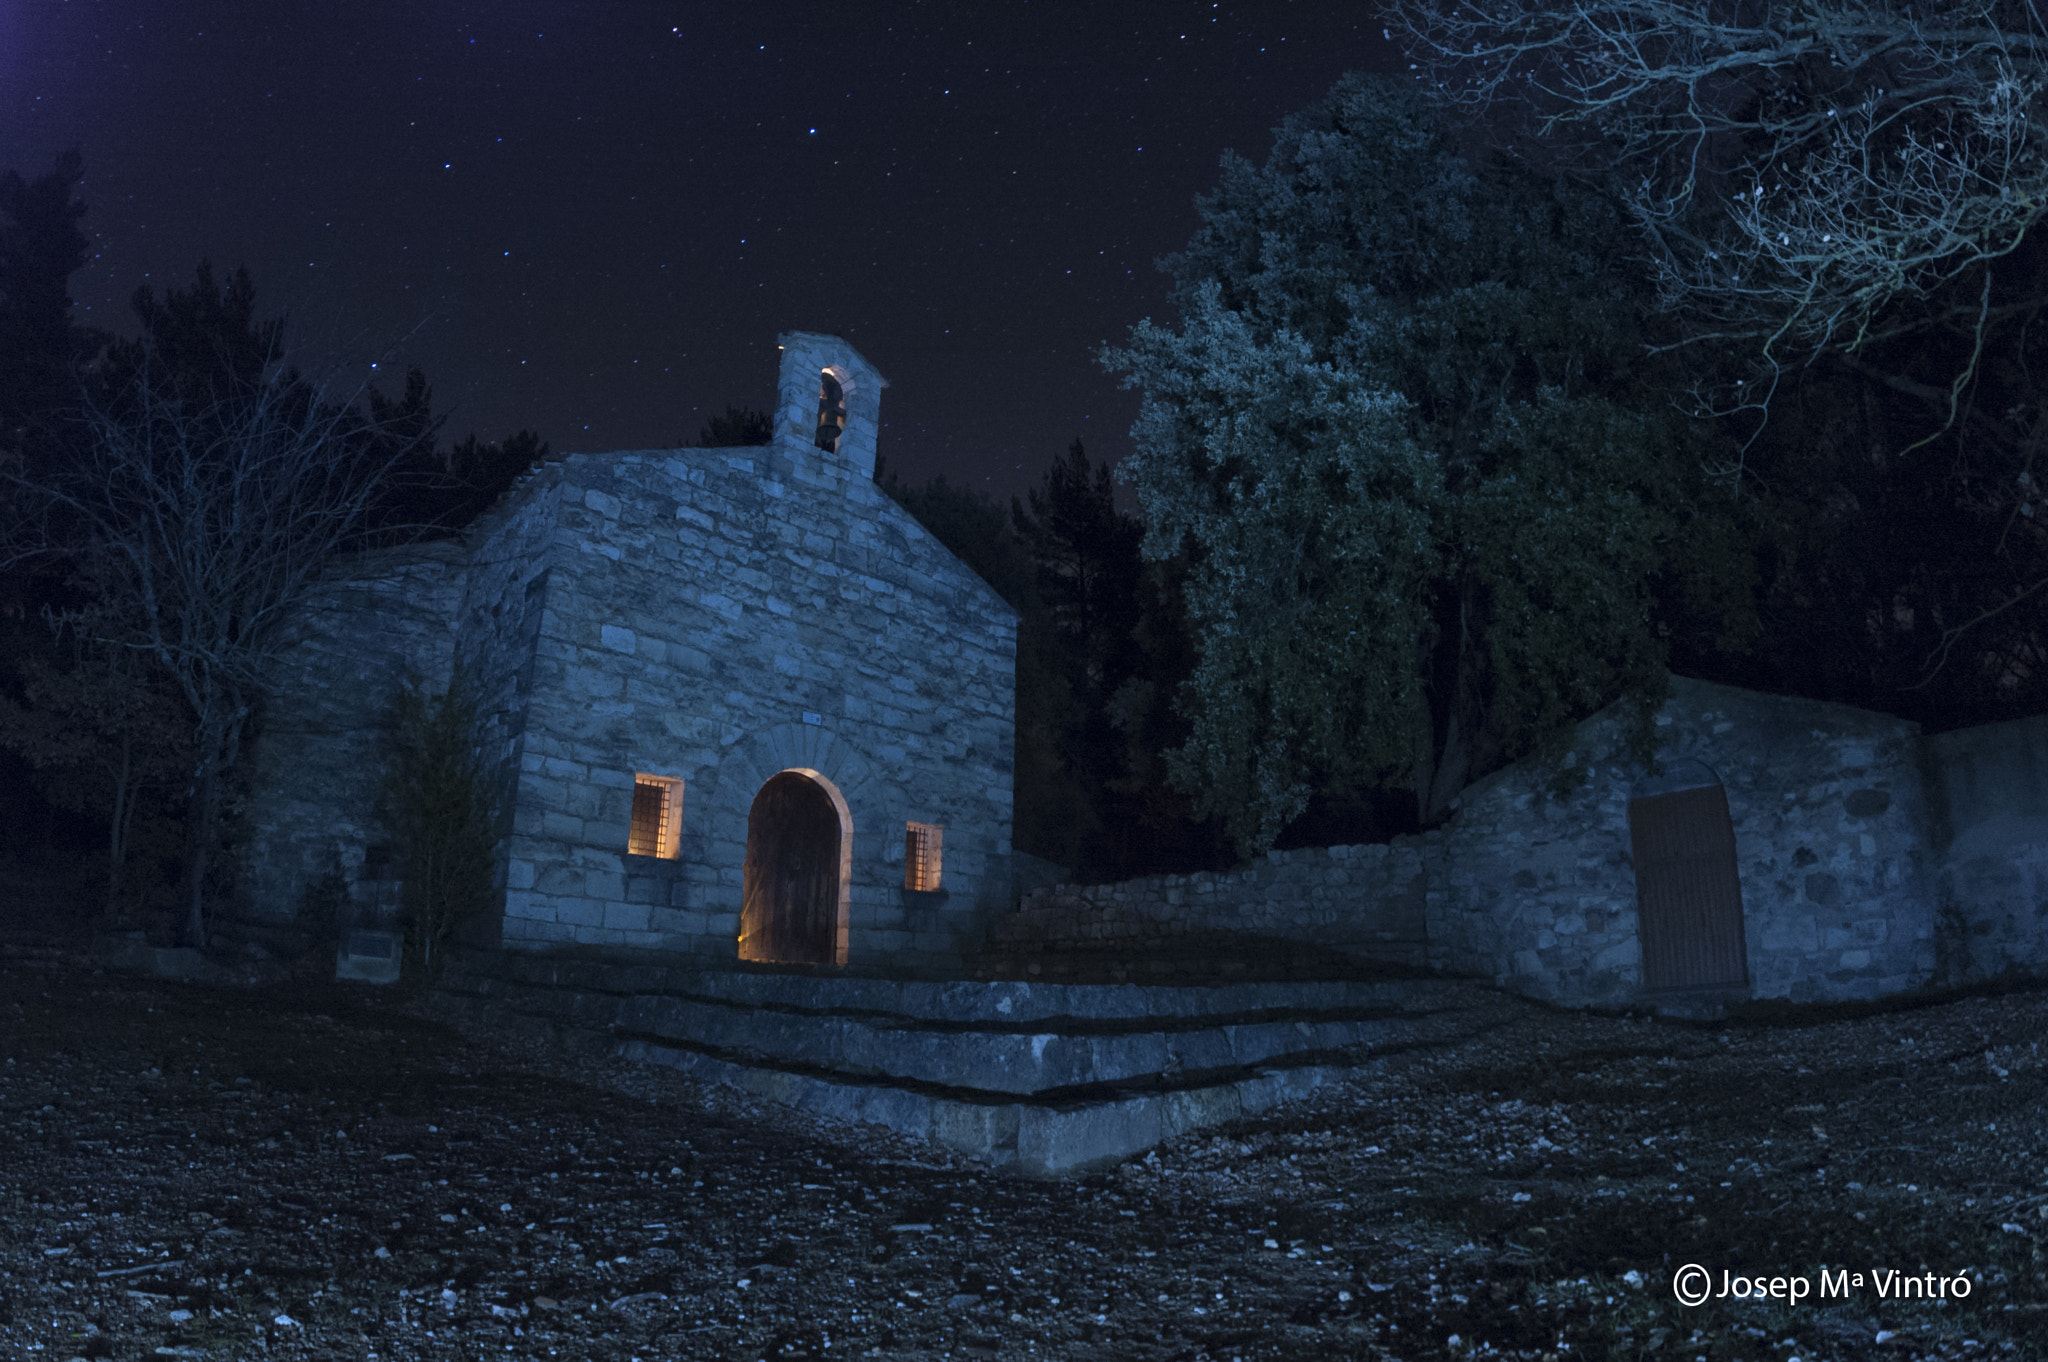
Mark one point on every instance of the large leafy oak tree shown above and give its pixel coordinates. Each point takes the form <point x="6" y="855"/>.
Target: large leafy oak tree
<point x="1396" y="433"/>
<point x="1839" y="202"/>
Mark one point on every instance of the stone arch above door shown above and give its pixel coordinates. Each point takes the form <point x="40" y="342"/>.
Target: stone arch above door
<point x="748" y="763"/>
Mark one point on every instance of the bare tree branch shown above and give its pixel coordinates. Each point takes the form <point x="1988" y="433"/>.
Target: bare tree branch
<point x="197" y="524"/>
<point x="1795" y="168"/>
<point x="1813" y="179"/>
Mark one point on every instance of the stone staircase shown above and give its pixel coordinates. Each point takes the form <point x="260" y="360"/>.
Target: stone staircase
<point x="1040" y="1079"/>
<point x="1029" y="955"/>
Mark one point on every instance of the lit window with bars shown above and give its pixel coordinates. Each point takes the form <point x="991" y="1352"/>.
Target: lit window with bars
<point x="922" y="847"/>
<point x="657" y="817"/>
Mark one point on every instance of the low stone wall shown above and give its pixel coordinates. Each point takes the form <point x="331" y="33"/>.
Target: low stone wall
<point x="1838" y="843"/>
<point x="1365" y="902"/>
<point x="1830" y="828"/>
<point x="1989" y="791"/>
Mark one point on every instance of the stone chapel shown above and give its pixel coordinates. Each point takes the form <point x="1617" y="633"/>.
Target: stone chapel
<point x="741" y="706"/>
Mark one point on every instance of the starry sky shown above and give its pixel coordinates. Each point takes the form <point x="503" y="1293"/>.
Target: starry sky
<point x="593" y="219"/>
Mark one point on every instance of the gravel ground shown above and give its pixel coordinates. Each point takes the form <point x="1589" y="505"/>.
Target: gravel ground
<point x="314" y="1171"/>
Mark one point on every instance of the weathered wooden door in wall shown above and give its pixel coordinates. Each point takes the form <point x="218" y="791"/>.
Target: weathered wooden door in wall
<point x="789" y="910"/>
<point x="1688" y="892"/>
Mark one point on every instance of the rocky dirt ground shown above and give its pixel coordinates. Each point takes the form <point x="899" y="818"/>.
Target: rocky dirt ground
<point x="313" y="1171"/>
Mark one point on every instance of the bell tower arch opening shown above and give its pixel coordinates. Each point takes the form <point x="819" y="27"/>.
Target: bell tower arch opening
<point x="798" y="870"/>
<point x="835" y="388"/>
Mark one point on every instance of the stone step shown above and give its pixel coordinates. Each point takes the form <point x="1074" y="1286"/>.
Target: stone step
<point x="1191" y="957"/>
<point x="1042" y="1079"/>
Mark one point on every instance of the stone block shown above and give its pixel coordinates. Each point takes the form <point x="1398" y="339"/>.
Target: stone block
<point x="535" y="932"/>
<point x="562" y="827"/>
<point x="681" y="921"/>
<point x="1797" y="934"/>
<point x="626" y="916"/>
<point x="559" y="879"/>
<point x="579" y="913"/>
<point x="590" y="680"/>
<point x="1621" y="958"/>
<point x="560" y="770"/>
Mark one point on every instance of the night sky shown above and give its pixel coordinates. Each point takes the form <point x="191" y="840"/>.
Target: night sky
<point x="593" y="219"/>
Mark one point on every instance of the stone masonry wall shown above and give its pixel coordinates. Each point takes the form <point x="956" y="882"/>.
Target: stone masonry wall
<point x="718" y="615"/>
<point x="714" y="616"/>
<point x="1363" y="901"/>
<point x="317" y="754"/>
<point x="1989" y="789"/>
<point x="1830" y="834"/>
<point x="497" y="632"/>
<point x="1538" y="892"/>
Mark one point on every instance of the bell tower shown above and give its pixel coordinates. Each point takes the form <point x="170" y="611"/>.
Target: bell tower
<point x="829" y="400"/>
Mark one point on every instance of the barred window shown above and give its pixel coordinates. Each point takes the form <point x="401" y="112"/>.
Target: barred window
<point x="922" y="847"/>
<point x="657" y="817"/>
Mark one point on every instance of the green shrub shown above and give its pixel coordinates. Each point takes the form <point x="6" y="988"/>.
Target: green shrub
<point x="323" y="907"/>
<point x="437" y="802"/>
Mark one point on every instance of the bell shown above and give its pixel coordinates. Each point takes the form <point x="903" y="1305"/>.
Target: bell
<point x="828" y="435"/>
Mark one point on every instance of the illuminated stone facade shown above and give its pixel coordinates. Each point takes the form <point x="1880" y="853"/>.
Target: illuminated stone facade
<point x="707" y="616"/>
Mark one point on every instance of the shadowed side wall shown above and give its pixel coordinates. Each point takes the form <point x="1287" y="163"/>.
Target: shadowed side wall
<point x="1538" y="892"/>
<point x="386" y="617"/>
<point x="318" y="754"/>
<point x="1830" y="838"/>
<point x="1989" y="788"/>
<point x="497" y="635"/>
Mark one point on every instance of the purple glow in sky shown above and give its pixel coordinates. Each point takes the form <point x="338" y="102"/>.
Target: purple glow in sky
<point x="593" y="220"/>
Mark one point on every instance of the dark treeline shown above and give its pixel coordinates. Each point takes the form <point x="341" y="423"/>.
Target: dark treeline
<point x="1432" y="467"/>
<point x="201" y="341"/>
<point x="115" y="738"/>
<point x="1101" y="650"/>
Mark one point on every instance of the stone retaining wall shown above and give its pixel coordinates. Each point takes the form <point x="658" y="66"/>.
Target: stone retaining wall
<point x="1989" y="790"/>
<point x="1830" y="826"/>
<point x="1365" y="901"/>
<point x="1871" y="862"/>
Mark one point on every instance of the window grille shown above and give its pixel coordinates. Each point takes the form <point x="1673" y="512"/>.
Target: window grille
<point x="922" y="847"/>
<point x="657" y="817"/>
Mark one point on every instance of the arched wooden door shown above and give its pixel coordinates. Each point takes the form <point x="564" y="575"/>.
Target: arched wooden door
<point x="1688" y="890"/>
<point x="789" y="911"/>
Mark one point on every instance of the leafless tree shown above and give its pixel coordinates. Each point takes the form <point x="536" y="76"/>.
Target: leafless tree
<point x="1815" y="179"/>
<point x="101" y="726"/>
<point x="1798" y="169"/>
<point x="197" y="526"/>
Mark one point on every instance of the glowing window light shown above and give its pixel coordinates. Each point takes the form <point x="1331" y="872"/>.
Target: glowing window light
<point x="923" y="845"/>
<point x="657" y="817"/>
